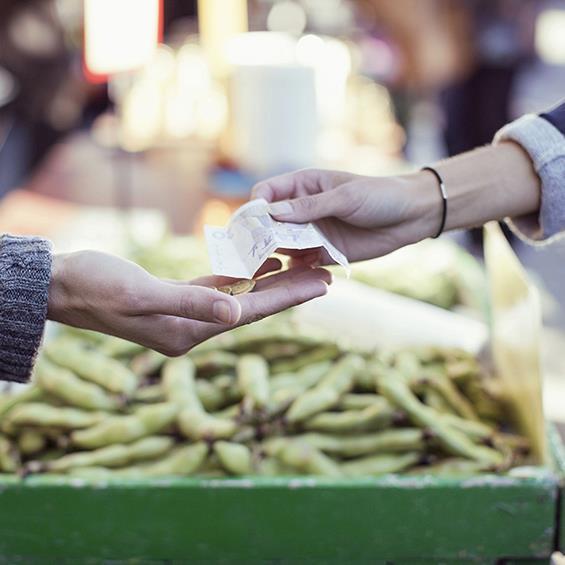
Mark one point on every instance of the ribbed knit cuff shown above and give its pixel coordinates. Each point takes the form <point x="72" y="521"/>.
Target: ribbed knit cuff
<point x="546" y="146"/>
<point x="25" y="273"/>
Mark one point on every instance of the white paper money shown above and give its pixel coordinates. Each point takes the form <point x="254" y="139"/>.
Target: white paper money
<point x="251" y="237"/>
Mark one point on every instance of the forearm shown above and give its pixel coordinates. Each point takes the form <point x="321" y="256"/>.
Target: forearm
<point x="490" y="183"/>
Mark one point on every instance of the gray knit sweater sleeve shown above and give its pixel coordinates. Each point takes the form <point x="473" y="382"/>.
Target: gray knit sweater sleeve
<point x="25" y="272"/>
<point x="542" y="137"/>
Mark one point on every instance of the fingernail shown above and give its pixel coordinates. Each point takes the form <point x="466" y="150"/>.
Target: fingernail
<point x="222" y="312"/>
<point x="282" y="208"/>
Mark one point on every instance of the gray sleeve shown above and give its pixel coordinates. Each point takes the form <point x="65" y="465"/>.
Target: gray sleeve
<point x="556" y="117"/>
<point x="546" y="146"/>
<point x="25" y="273"/>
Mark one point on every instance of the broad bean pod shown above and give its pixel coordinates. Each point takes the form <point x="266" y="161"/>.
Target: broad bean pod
<point x="92" y="366"/>
<point x="146" y="421"/>
<point x="380" y="464"/>
<point x="118" y="455"/>
<point x="326" y="394"/>
<point x="388" y="441"/>
<point x="234" y="457"/>
<point x="64" y="384"/>
<point x="452" y="440"/>
<point x="369" y="419"/>
<point x="253" y="380"/>
<point x="44" y="415"/>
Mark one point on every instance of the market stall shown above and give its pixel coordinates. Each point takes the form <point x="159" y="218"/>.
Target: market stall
<point x="274" y="465"/>
<point x="399" y="419"/>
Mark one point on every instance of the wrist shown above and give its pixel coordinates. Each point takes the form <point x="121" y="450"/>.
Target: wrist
<point x="424" y="211"/>
<point x="489" y="183"/>
<point x="58" y="291"/>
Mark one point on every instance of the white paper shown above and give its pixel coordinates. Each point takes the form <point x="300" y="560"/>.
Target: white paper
<point x="252" y="236"/>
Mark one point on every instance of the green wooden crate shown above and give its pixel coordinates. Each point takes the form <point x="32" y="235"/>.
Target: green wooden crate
<point x="393" y="519"/>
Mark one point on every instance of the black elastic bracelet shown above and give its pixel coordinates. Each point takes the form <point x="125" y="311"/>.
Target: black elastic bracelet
<point x="443" y="199"/>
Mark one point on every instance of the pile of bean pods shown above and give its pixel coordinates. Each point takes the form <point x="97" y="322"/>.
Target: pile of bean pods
<point x="266" y="399"/>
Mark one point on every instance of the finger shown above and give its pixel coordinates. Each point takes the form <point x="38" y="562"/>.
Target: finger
<point x="312" y="259"/>
<point x="288" y="185"/>
<point x="291" y="277"/>
<point x="193" y="302"/>
<point x="311" y="208"/>
<point x="174" y="336"/>
<point x="307" y="257"/>
<point x="302" y="254"/>
<point x="269" y="266"/>
<point x="293" y="289"/>
<point x="293" y="252"/>
<point x="299" y="286"/>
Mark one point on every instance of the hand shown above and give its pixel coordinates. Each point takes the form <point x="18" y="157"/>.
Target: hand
<point x="367" y="217"/>
<point x="101" y="292"/>
<point x="364" y="217"/>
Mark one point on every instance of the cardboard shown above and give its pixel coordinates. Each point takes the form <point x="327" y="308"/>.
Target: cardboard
<point x="516" y="333"/>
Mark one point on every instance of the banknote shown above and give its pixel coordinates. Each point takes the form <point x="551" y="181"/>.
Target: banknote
<point x="251" y="237"/>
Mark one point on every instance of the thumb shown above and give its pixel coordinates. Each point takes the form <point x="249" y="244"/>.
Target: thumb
<point x="194" y="302"/>
<point x="309" y="208"/>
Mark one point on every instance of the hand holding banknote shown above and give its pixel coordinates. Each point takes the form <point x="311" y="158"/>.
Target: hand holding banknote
<point x="364" y="217"/>
<point x="252" y="236"/>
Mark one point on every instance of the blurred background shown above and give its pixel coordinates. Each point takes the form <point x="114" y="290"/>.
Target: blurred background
<point x="123" y="119"/>
<point x="161" y="104"/>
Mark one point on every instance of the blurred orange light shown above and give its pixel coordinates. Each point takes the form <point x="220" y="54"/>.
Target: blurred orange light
<point x="215" y="213"/>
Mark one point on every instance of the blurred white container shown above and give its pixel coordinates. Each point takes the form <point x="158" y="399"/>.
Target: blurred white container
<point x="274" y="108"/>
<point x="274" y="117"/>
